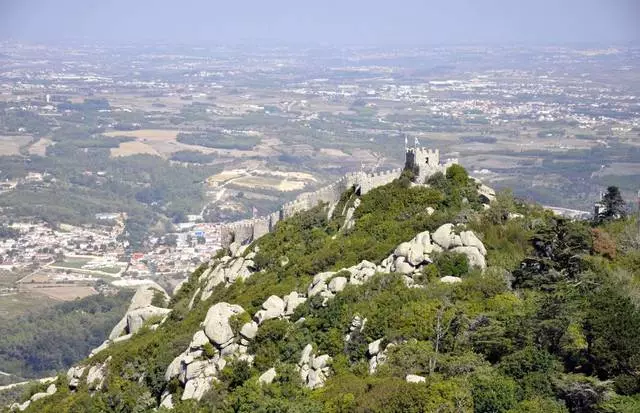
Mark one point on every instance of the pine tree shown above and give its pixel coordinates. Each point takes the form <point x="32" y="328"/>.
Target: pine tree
<point x="614" y="205"/>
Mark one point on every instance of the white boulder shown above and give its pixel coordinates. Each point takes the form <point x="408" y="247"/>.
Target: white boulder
<point x="374" y="347"/>
<point x="196" y="388"/>
<point x="199" y="340"/>
<point x="306" y="355"/>
<point x="448" y="279"/>
<point x="249" y="330"/>
<point x="413" y="378"/>
<point x="268" y="376"/>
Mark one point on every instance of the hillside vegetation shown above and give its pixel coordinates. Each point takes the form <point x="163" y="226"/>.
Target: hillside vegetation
<point x="41" y="343"/>
<point x="551" y="325"/>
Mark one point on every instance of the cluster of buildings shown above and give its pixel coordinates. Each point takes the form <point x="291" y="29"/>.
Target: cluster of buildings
<point x="102" y="250"/>
<point x="37" y="243"/>
<point x="178" y="252"/>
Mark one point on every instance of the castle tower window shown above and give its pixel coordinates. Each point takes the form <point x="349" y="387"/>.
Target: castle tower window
<point x="427" y="161"/>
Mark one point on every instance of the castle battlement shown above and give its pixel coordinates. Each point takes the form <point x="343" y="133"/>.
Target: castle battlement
<point x="425" y="162"/>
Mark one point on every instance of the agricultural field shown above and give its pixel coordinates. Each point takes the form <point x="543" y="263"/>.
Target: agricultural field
<point x="40" y="147"/>
<point x="11" y="145"/>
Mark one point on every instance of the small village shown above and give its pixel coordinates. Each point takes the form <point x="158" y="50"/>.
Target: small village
<point x="68" y="261"/>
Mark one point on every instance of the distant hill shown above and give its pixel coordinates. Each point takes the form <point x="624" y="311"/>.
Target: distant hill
<point x="410" y="298"/>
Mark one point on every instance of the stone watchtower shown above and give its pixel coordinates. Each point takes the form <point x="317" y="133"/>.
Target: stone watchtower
<point x="423" y="162"/>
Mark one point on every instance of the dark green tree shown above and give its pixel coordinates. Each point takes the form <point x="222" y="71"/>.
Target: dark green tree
<point x="613" y="206"/>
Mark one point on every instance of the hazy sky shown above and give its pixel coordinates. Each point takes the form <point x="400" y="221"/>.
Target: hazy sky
<point x="323" y="21"/>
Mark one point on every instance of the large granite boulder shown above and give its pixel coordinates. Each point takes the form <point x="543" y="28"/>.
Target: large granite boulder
<point x="216" y="323"/>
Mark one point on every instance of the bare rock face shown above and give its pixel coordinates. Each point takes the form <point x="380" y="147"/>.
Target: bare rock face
<point x="402" y="250"/>
<point x="216" y="323"/>
<point x="97" y="375"/>
<point x="486" y="194"/>
<point x="118" y="329"/>
<point x="315" y="379"/>
<point x="174" y="368"/>
<point x="272" y="308"/>
<point x="144" y="296"/>
<point x="448" y="279"/>
<point x="306" y="354"/>
<point x="166" y="400"/>
<point x="141" y="299"/>
<point x="313" y="369"/>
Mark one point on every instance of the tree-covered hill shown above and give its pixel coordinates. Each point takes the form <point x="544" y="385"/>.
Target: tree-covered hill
<point x="550" y="325"/>
<point x="41" y="343"/>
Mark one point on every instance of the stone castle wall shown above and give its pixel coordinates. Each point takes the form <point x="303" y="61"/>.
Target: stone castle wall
<point x="425" y="161"/>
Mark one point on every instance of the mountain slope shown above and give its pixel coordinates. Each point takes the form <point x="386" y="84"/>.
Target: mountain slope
<point x="387" y="306"/>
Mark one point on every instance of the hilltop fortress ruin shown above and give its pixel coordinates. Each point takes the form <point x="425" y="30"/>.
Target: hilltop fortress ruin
<point x="422" y="161"/>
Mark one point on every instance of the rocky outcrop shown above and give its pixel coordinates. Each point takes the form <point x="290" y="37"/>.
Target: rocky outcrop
<point x="410" y="258"/>
<point x="207" y="354"/>
<point x="166" y="400"/>
<point x="292" y="301"/>
<point x="357" y="325"/>
<point x="448" y="279"/>
<point x="313" y="369"/>
<point x="51" y="390"/>
<point x="95" y="375"/>
<point x="446" y="238"/>
<point x="139" y="312"/>
<point x="486" y="194"/>
<point x="273" y="307"/>
<point x="475" y="258"/>
<point x="377" y="355"/>
<point x="226" y="271"/>
<point x="74" y="375"/>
